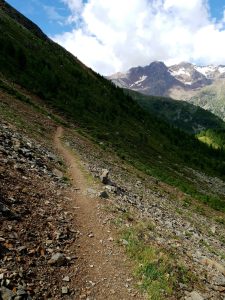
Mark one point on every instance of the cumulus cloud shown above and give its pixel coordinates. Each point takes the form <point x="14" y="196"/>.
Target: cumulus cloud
<point x="111" y="36"/>
<point x="74" y="5"/>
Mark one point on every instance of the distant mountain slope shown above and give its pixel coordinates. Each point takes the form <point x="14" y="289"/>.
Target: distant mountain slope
<point x="211" y="98"/>
<point x="184" y="76"/>
<point x="201" y="85"/>
<point x="183" y="115"/>
<point x="191" y="76"/>
<point x="103" y="112"/>
<point x="154" y="79"/>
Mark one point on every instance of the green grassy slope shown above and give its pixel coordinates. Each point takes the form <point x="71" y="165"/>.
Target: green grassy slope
<point x="213" y="137"/>
<point x="212" y="98"/>
<point x="188" y="117"/>
<point x="95" y="105"/>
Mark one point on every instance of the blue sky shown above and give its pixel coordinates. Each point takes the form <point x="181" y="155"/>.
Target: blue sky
<point x="115" y="35"/>
<point x="51" y="15"/>
<point x="216" y="8"/>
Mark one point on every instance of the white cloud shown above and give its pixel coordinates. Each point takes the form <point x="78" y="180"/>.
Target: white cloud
<point x="74" y="5"/>
<point x="111" y="36"/>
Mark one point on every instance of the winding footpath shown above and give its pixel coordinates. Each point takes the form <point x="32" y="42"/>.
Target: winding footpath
<point x="102" y="269"/>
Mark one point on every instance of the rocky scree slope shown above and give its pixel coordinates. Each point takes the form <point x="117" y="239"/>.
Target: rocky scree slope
<point x="89" y="270"/>
<point x="36" y="232"/>
<point x="33" y="259"/>
<point x="174" y="222"/>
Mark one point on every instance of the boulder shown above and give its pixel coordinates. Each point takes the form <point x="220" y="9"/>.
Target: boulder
<point x="104" y="176"/>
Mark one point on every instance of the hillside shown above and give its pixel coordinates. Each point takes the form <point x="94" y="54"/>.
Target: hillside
<point x="211" y="98"/>
<point x="186" y="116"/>
<point x="99" y="109"/>
<point x="98" y="198"/>
<point x="95" y="104"/>
<point x="133" y="222"/>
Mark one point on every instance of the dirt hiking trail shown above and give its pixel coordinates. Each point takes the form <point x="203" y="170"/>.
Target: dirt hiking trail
<point x="103" y="270"/>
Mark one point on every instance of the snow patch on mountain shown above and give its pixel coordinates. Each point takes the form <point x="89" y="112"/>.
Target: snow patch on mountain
<point x="206" y="70"/>
<point x="210" y="71"/>
<point x="138" y="82"/>
<point x="179" y="72"/>
<point x="221" y="69"/>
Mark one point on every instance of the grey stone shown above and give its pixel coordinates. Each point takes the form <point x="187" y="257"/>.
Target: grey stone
<point x="104" y="176"/>
<point x="66" y="278"/>
<point x="194" y="296"/>
<point x="19" y="298"/>
<point x="6" y="294"/>
<point x="65" y="290"/>
<point x="220" y="280"/>
<point x="57" y="173"/>
<point x="21" y="292"/>
<point x="111" y="188"/>
<point x="213" y="229"/>
<point x="125" y="242"/>
<point x="104" y="195"/>
<point x="57" y="259"/>
<point x="22" y="249"/>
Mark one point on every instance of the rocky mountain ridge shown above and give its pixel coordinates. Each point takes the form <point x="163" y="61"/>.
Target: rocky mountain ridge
<point x="158" y="79"/>
<point x="34" y="228"/>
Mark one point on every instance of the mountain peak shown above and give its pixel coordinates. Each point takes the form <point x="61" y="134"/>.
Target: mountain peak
<point x="157" y="62"/>
<point x="159" y="80"/>
<point x="154" y="78"/>
<point x="185" y="64"/>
